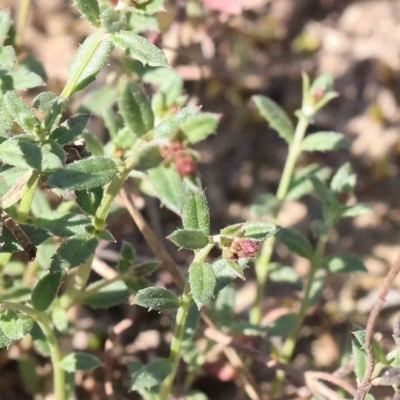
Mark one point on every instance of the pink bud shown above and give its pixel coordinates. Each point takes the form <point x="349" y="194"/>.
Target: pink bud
<point x="245" y="248"/>
<point x="184" y="164"/>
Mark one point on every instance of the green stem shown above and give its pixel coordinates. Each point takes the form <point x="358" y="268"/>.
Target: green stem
<point x="77" y="284"/>
<point x="55" y="354"/>
<point x="290" y="342"/>
<point x="74" y="79"/>
<point x="109" y="196"/>
<point x="26" y="201"/>
<point x="181" y="315"/>
<point x="263" y="261"/>
<point x="96" y="287"/>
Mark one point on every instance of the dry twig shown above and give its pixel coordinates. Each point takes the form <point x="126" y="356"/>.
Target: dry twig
<point x="365" y="384"/>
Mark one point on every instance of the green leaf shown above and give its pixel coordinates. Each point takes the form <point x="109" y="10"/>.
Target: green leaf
<point x="93" y="144"/>
<point x="189" y="239"/>
<point x="13" y="326"/>
<point x="39" y="340"/>
<point x="317" y="287"/>
<point x="360" y="357"/>
<point x="21" y="80"/>
<point x="224" y="307"/>
<point x="136" y="109"/>
<point x="45" y="251"/>
<point x="6" y="120"/>
<point x="31" y="64"/>
<point x="40" y="205"/>
<point x="20" y="112"/>
<point x="301" y="183"/>
<point x="81" y="77"/>
<point x="344" y="180"/>
<point x="146" y="268"/>
<point x="195" y="213"/>
<point x="265" y="204"/>
<point x="44" y="101"/>
<point x="101" y="100"/>
<point x="73" y="252"/>
<point x="169" y="187"/>
<point x="325" y="141"/>
<point x="259" y="230"/>
<point x="324" y="82"/>
<point x="90" y="10"/>
<point x="89" y="200"/>
<point x="296" y="242"/>
<point x="155" y="298"/>
<point x="231" y="230"/>
<point x="70" y="129"/>
<point x="168" y="81"/>
<point x="85" y="174"/>
<point x="35" y="234"/>
<point x="143" y="23"/>
<point x="344" y="263"/>
<point x="45" y="290"/>
<point x="60" y="319"/>
<point x="108" y="296"/>
<point x="148" y="157"/>
<point x="63" y="224"/>
<point x="275" y="116"/>
<point x="286" y="275"/>
<point x="200" y="127"/>
<point x="283" y="325"/>
<point x="150" y="375"/>
<point x="5" y="24"/>
<point x="27" y="154"/>
<point x="126" y="258"/>
<point x="224" y="273"/>
<point x="17" y="190"/>
<point x="150" y="6"/>
<point x="202" y="282"/>
<point x="167" y="127"/>
<point x="79" y="361"/>
<point x="332" y="208"/>
<point x="7" y="58"/>
<point x="233" y="269"/>
<point x="139" y="48"/>
<point x="356" y="210"/>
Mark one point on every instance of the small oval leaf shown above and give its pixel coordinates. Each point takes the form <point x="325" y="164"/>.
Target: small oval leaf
<point x="45" y="290"/>
<point x="202" y="282"/>
<point x="155" y="298"/>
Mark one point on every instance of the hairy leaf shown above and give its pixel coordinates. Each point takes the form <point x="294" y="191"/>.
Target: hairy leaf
<point x="155" y="298"/>
<point x="275" y="116"/>
<point x="202" y="282"/>
<point x="139" y="48"/>
<point x="85" y="174"/>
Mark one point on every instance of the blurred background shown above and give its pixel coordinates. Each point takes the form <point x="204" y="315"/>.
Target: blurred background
<point x="226" y="51"/>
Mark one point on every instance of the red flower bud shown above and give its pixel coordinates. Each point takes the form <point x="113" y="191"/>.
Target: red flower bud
<point x="184" y="164"/>
<point x="165" y="151"/>
<point x="318" y="93"/>
<point x="244" y="248"/>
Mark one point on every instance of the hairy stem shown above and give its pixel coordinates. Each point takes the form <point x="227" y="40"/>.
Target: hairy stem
<point x="55" y="354"/>
<point x="264" y="258"/>
<point x="176" y="344"/>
